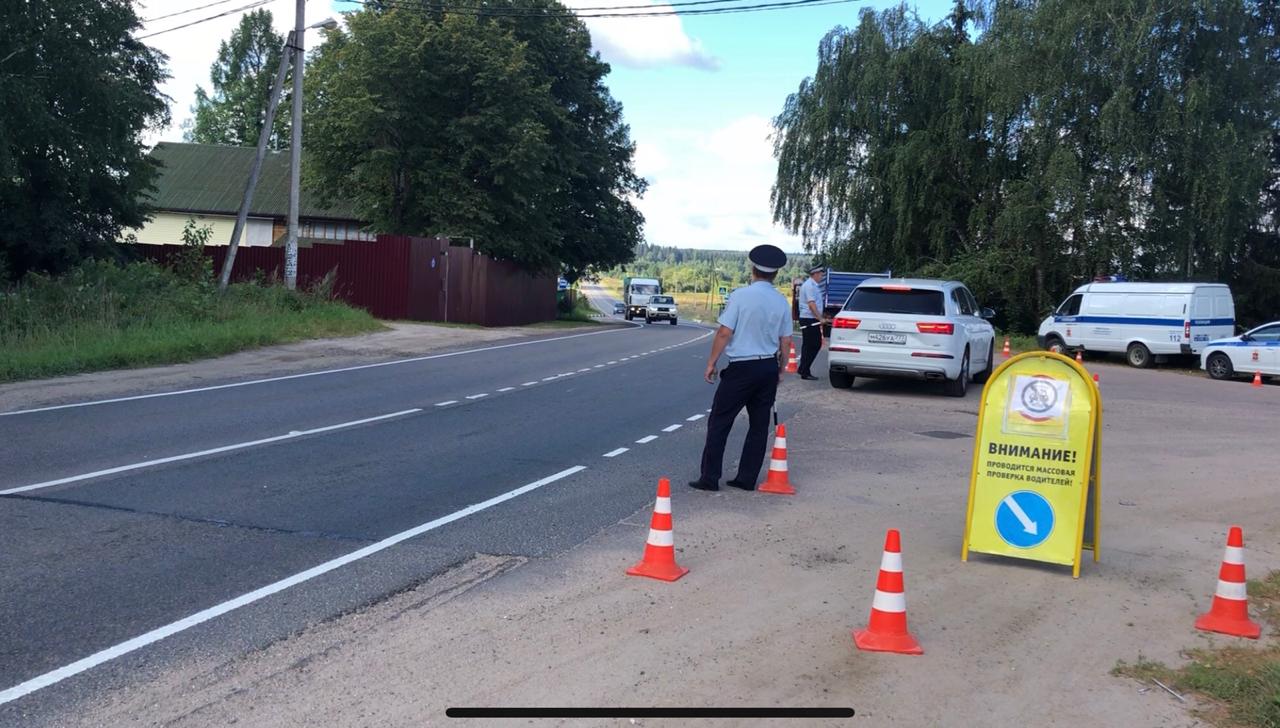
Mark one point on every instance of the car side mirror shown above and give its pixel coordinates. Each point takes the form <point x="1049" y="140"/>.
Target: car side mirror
<point x="987" y="313"/>
<point x="1246" y="337"/>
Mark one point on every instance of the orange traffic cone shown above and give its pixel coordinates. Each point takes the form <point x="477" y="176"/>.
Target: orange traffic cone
<point x="778" y="483"/>
<point x="659" y="560"/>
<point x="887" y="629"/>
<point x="1230" y="611"/>
<point x="1005" y="353"/>
<point x="1257" y="379"/>
<point x="1079" y="356"/>
<point x="793" y="365"/>
<point x="1097" y="382"/>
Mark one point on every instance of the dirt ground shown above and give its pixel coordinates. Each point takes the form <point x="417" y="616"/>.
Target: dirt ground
<point x="777" y="584"/>
<point x="401" y="340"/>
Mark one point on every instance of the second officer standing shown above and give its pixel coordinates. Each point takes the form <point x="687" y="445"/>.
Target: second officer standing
<point x="755" y="329"/>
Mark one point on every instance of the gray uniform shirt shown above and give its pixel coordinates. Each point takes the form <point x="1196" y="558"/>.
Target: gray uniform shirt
<point x="810" y="291"/>
<point x="759" y="316"/>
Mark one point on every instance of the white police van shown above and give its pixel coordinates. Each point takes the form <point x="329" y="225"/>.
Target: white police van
<point x="1141" y="320"/>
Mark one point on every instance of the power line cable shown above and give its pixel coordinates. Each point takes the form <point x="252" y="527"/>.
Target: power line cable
<point x="242" y="8"/>
<point x="188" y="10"/>
<point x="480" y="11"/>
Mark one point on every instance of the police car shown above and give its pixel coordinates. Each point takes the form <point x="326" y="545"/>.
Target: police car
<point x="1253" y="351"/>
<point x="917" y="329"/>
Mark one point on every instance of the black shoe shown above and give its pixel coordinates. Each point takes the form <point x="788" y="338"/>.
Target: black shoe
<point x="703" y="485"/>
<point x="810" y="377"/>
<point x="739" y="485"/>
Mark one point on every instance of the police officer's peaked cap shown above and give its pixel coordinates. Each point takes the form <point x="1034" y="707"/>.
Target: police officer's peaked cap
<point x="767" y="258"/>
<point x="816" y="268"/>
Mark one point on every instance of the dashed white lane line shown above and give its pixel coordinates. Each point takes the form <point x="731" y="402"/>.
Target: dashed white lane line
<point x="708" y="411"/>
<point x="615" y="361"/>
<point x="202" y="453"/>
<point x="584" y="369"/>
<point x="599" y="366"/>
<point x="528" y="384"/>
<point x="616" y="453"/>
<point x="478" y="396"/>
<point x="446" y="403"/>
<point x="567" y="374"/>
<point x="646" y="440"/>
<point x="672" y="428"/>
<point x="695" y="418"/>
<point x="547" y="379"/>
<point x="507" y="389"/>
<point x="155" y="635"/>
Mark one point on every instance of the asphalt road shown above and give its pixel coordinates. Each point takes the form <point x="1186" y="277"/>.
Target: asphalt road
<point x="215" y="522"/>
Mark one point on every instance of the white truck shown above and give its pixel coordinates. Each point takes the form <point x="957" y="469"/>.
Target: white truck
<point x="1140" y="320"/>
<point x="636" y="293"/>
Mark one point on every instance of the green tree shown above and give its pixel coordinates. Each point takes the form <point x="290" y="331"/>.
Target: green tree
<point x="241" y="79"/>
<point x="78" y="92"/>
<point x="499" y="129"/>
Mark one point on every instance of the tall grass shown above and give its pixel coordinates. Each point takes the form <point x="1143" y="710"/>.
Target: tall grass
<point x="102" y="315"/>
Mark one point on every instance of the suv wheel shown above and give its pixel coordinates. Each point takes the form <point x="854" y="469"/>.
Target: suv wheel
<point x="1138" y="355"/>
<point x="673" y="322"/>
<point x="840" y="380"/>
<point x="1219" y="366"/>
<point x="959" y="386"/>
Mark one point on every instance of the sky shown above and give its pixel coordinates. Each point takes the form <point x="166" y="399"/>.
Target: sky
<point x="699" y="94"/>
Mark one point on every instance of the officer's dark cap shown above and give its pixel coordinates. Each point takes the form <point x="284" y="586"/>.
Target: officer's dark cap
<point x="767" y="258"/>
<point x="816" y="269"/>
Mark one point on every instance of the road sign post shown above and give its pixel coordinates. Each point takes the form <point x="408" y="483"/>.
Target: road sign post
<point x="1034" y="486"/>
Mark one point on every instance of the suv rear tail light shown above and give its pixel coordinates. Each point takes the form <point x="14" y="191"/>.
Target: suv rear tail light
<point x="845" y="323"/>
<point x="926" y="328"/>
<point x="1186" y="330"/>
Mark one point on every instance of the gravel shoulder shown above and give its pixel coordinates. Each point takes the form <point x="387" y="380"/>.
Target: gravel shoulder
<point x="400" y="340"/>
<point x="764" y="618"/>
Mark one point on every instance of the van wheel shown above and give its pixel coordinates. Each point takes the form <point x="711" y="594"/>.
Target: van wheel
<point x="1138" y="355"/>
<point x="985" y="374"/>
<point x="840" y="380"/>
<point x="1219" y="366"/>
<point x="959" y="386"/>
<point x="1055" y="344"/>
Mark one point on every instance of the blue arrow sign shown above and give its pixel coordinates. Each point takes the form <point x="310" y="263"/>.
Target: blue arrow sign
<point x="1024" y="519"/>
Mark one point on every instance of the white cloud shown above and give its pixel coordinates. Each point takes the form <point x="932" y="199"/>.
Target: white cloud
<point x="191" y="51"/>
<point x="643" y="42"/>
<point x="717" y="196"/>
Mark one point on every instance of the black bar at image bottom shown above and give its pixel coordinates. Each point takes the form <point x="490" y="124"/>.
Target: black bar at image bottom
<point x="649" y="712"/>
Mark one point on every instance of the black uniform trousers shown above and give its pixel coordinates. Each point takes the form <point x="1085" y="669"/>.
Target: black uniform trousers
<point x="811" y="344"/>
<point x="750" y="384"/>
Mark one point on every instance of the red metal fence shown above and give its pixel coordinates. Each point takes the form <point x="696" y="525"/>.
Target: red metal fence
<point x="402" y="277"/>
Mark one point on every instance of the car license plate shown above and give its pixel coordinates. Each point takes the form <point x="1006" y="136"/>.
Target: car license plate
<point x="886" y="338"/>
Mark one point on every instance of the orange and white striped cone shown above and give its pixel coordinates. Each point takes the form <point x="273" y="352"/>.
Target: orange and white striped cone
<point x="1230" y="611"/>
<point x="778" y="482"/>
<point x="887" y="629"/>
<point x="1079" y="356"/>
<point x="659" y="560"/>
<point x="793" y="365"/>
<point x="1257" y="379"/>
<point x="1005" y="353"/>
<point x="1097" y="381"/>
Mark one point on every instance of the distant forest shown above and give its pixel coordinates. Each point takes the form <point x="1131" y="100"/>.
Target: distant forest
<point x="688" y="270"/>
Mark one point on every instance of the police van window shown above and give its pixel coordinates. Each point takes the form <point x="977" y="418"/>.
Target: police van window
<point x="1071" y="306"/>
<point x="897" y="300"/>
<point x="962" y="303"/>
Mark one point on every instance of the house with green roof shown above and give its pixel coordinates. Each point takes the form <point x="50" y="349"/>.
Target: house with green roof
<point x="205" y="182"/>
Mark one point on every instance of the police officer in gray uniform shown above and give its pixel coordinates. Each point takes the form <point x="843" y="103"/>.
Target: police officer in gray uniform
<point x="754" y="333"/>
<point x="810" y="321"/>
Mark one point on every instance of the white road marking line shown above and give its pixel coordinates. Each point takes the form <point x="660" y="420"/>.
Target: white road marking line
<point x="528" y="384"/>
<point x="155" y="635"/>
<point x="708" y="411"/>
<point x="695" y="418"/>
<point x="302" y="375"/>
<point x="446" y="403"/>
<point x="507" y="389"/>
<point x="547" y="379"/>
<point x="646" y="440"/>
<point x="584" y="369"/>
<point x="202" y="453"/>
<point x="616" y="453"/>
<point x="615" y="361"/>
<point x="599" y="366"/>
<point x="567" y="374"/>
<point x="477" y="396"/>
<point x="672" y="428"/>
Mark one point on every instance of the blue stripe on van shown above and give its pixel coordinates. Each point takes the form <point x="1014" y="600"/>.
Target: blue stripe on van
<point x="1134" y="321"/>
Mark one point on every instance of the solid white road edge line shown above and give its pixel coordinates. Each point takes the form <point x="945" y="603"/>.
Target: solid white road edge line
<point x="303" y="374"/>
<point x="155" y="635"/>
<point x="616" y="453"/>
<point x="672" y="428"/>
<point x="202" y="453"/>
<point x="646" y="440"/>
